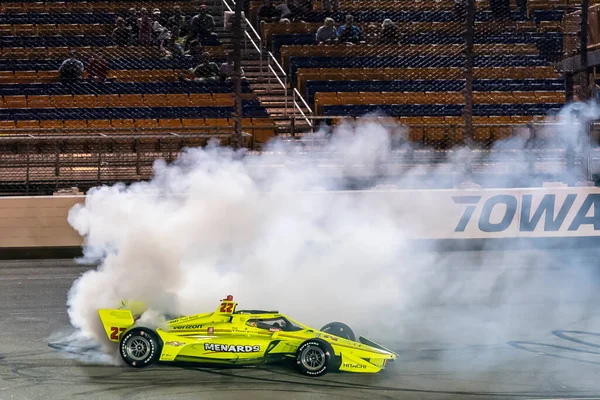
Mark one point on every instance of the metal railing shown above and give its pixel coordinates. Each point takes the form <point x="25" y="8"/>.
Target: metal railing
<point x="311" y="115"/>
<point x="270" y="58"/>
<point x="258" y="46"/>
<point x="283" y="83"/>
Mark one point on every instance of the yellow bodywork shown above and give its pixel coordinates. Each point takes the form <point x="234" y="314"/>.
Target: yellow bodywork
<point x="227" y="336"/>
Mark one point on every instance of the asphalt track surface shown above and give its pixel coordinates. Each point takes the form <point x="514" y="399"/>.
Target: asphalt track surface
<point x="559" y="359"/>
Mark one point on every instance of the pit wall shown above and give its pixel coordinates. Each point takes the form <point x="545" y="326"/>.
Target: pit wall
<point x="556" y="214"/>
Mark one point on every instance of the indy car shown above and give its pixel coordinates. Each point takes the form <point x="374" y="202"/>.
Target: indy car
<point x="242" y="337"/>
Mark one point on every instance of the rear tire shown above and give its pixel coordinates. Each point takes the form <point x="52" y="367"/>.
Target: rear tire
<point x="140" y="347"/>
<point x="314" y="357"/>
<point x="339" y="329"/>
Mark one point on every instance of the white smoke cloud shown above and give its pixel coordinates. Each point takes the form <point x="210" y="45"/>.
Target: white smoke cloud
<point x="215" y="223"/>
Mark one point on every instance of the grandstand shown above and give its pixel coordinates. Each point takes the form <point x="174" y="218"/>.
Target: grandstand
<point x="471" y="76"/>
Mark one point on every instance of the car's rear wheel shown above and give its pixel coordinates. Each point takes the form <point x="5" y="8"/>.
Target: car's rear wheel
<point x="314" y="357"/>
<point x="339" y="329"/>
<point x="140" y="347"/>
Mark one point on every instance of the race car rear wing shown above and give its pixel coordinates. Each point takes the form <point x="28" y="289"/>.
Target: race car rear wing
<point x="227" y="306"/>
<point x="115" y="322"/>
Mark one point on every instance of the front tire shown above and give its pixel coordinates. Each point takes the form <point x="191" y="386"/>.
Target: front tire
<point x="314" y="357"/>
<point x="140" y="347"/>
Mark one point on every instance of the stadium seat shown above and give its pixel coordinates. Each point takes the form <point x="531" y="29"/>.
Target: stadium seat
<point x="15" y="102"/>
<point x="24" y="30"/>
<point x="123" y="124"/>
<point x="223" y="100"/>
<point x="264" y="129"/>
<point x="25" y="76"/>
<point x="47" y="30"/>
<point x="482" y="133"/>
<point x="437" y="130"/>
<point x="146" y="123"/>
<point x="169" y="123"/>
<point x="63" y="101"/>
<point x="416" y="128"/>
<point x="75" y="124"/>
<point x="222" y="124"/>
<point x="131" y="100"/>
<point x="154" y="100"/>
<point x="99" y="124"/>
<point x="6" y="30"/>
<point x="192" y="122"/>
<point x="201" y="100"/>
<point x="51" y="124"/>
<point x="39" y="101"/>
<point x="7" y="125"/>
<point x="107" y="100"/>
<point x="86" y="100"/>
<point x="501" y="132"/>
<point x="34" y="124"/>
<point x="178" y="100"/>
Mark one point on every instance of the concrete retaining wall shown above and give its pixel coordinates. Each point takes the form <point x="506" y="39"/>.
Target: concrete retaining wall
<point x="37" y="222"/>
<point x="38" y="226"/>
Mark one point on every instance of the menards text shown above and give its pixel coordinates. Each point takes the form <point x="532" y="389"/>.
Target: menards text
<point x="231" y="348"/>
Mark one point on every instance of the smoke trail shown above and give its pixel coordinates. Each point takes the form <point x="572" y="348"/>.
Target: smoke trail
<point x="215" y="223"/>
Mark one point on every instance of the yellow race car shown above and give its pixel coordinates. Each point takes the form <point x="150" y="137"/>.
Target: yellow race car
<point x="242" y="337"/>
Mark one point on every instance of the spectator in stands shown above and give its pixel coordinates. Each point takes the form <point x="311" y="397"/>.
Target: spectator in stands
<point x="131" y="23"/>
<point x="97" y="69"/>
<point x="285" y="9"/>
<point x="349" y="33"/>
<point x="157" y="16"/>
<point x="203" y="24"/>
<point x="390" y="34"/>
<point x="173" y="46"/>
<point x="145" y="28"/>
<point x="594" y="90"/>
<point x="180" y="21"/>
<point x="227" y="68"/>
<point x="194" y="51"/>
<point x="71" y="69"/>
<point x="207" y="70"/>
<point x="159" y="32"/>
<point x="121" y="34"/>
<point x="291" y="10"/>
<point x="268" y="12"/>
<point x="327" y="33"/>
<point x="329" y="5"/>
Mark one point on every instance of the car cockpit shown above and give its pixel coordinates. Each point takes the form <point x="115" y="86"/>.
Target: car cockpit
<point x="274" y="324"/>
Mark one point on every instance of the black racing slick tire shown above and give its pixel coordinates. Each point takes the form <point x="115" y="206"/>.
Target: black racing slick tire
<point x="140" y="347"/>
<point x="315" y="357"/>
<point x="339" y="329"/>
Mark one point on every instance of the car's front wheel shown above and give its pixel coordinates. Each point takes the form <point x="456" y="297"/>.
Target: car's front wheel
<point x="140" y="347"/>
<point x="314" y="357"/>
